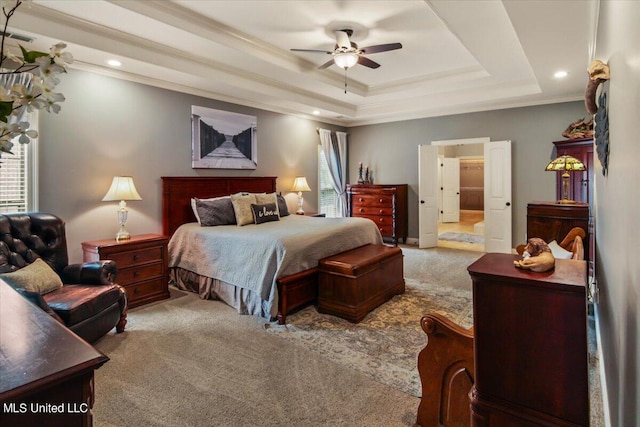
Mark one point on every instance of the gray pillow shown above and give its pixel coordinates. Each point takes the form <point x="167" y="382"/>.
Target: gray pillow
<point x="282" y="205"/>
<point x="265" y="212"/>
<point x="216" y="212"/>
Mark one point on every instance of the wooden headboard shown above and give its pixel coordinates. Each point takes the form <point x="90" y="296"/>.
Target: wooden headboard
<point x="177" y="192"/>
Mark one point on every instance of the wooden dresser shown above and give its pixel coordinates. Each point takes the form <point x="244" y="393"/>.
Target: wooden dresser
<point x="552" y="221"/>
<point x="386" y="205"/>
<point x="142" y="265"/>
<point x="46" y="370"/>
<point x="530" y="344"/>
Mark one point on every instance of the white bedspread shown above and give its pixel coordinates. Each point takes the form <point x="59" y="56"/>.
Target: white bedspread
<point x="255" y="255"/>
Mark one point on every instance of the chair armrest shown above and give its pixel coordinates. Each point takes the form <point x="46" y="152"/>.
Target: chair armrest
<point x="101" y="272"/>
<point x="37" y="299"/>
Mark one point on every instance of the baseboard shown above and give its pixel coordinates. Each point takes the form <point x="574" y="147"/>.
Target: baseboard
<point x="412" y="241"/>
<point x="603" y="378"/>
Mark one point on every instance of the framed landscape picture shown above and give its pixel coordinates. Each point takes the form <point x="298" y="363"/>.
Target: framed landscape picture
<point x="222" y="139"/>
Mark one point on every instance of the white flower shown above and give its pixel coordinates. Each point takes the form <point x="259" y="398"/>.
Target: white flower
<point x="60" y="58"/>
<point x="47" y="70"/>
<point x="5" y="144"/>
<point x="25" y="133"/>
<point x="24" y="97"/>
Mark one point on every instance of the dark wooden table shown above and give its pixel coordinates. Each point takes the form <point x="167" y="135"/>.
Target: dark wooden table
<point x="46" y="371"/>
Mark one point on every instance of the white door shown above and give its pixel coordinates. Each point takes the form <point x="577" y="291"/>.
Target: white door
<point x="450" y="189"/>
<point x="497" y="196"/>
<point x="428" y="196"/>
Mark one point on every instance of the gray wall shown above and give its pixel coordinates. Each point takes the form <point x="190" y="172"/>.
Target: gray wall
<point x="113" y="127"/>
<point x="391" y="150"/>
<point x="617" y="207"/>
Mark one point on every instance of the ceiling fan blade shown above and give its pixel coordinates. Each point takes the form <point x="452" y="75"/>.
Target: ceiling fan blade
<point x="310" y="50"/>
<point x="381" y="48"/>
<point x="367" y="62"/>
<point x="342" y="39"/>
<point x="326" y="64"/>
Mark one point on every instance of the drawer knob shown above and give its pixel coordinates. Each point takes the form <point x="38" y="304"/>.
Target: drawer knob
<point x="136" y="291"/>
<point x="361" y="210"/>
<point x="361" y="199"/>
<point x="136" y="274"/>
<point x="381" y="211"/>
<point x="380" y="200"/>
<point x="136" y="257"/>
<point x="381" y="220"/>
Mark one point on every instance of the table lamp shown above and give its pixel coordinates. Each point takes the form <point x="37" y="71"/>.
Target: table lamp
<point x="122" y="188"/>
<point x="565" y="163"/>
<point x="300" y="185"/>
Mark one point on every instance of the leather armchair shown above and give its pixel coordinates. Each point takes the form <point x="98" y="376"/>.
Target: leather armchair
<point x="89" y="302"/>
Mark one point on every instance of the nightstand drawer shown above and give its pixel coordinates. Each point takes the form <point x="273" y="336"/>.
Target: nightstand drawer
<point x="139" y="292"/>
<point x="136" y="257"/>
<point x="130" y="275"/>
<point x="141" y="262"/>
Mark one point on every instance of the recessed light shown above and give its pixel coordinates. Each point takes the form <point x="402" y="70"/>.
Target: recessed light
<point x="316" y="112"/>
<point x="560" y="74"/>
<point x="114" y="62"/>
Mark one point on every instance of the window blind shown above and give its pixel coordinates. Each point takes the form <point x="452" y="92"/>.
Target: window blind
<point x="14" y="175"/>
<point x="328" y="203"/>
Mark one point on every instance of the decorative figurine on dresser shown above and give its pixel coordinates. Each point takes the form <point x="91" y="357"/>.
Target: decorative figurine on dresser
<point x="386" y="205"/>
<point x="142" y="263"/>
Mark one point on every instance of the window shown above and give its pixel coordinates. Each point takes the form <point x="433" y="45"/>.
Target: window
<point x="17" y="174"/>
<point x="328" y="198"/>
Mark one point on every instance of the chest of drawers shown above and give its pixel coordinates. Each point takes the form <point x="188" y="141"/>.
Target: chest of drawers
<point x="386" y="205"/>
<point x="142" y="265"/>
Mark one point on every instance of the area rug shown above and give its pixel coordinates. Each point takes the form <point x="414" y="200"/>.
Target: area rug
<point x="461" y="237"/>
<point x="385" y="345"/>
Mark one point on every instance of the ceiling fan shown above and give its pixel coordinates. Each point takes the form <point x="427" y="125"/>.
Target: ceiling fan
<point x="346" y="53"/>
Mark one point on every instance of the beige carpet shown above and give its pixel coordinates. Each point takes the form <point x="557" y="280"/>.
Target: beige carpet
<point x="190" y="362"/>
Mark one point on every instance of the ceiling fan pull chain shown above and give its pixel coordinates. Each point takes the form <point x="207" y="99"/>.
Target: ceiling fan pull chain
<point x="345" y="80"/>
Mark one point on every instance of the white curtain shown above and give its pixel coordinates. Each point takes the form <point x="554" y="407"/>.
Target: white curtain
<point x="335" y="153"/>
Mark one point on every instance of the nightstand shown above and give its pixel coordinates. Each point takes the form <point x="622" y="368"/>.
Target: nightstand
<point x="316" y="214"/>
<point x="142" y="265"/>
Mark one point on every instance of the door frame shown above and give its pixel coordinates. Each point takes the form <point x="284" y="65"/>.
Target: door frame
<point x="480" y="140"/>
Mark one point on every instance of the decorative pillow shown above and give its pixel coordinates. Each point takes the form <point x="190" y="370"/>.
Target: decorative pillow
<point x="35" y="277"/>
<point x="265" y="212"/>
<point x="193" y="205"/>
<point x="264" y="198"/>
<point x="215" y="212"/>
<point x="559" y="252"/>
<point x="283" y="209"/>
<point x="242" y="208"/>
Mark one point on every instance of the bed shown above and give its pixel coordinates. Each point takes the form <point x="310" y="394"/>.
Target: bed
<point x="215" y="261"/>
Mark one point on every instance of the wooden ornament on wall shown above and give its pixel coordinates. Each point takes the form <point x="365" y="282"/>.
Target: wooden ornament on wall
<point x="602" y="130"/>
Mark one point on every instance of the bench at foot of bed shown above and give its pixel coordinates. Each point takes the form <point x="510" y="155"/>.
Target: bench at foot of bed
<point x="353" y="283"/>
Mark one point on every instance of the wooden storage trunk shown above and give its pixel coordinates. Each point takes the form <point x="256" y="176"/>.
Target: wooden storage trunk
<point x="353" y="283"/>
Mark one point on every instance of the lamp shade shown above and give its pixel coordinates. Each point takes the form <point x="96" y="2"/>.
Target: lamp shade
<point x="300" y="184"/>
<point x="122" y="188"/>
<point x="565" y="163"/>
<point x="346" y="59"/>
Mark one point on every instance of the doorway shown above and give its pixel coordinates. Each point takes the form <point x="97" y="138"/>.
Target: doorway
<point x="497" y="194"/>
<point x="461" y="177"/>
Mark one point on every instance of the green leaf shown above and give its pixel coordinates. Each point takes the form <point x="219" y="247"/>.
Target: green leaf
<point x="6" y="107"/>
<point x="30" y="56"/>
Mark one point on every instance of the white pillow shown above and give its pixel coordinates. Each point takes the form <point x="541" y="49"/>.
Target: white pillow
<point x="242" y="207"/>
<point x="263" y="198"/>
<point x="559" y="252"/>
<point x="193" y="205"/>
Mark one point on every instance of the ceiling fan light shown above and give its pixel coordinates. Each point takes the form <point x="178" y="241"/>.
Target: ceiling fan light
<point x="346" y="59"/>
